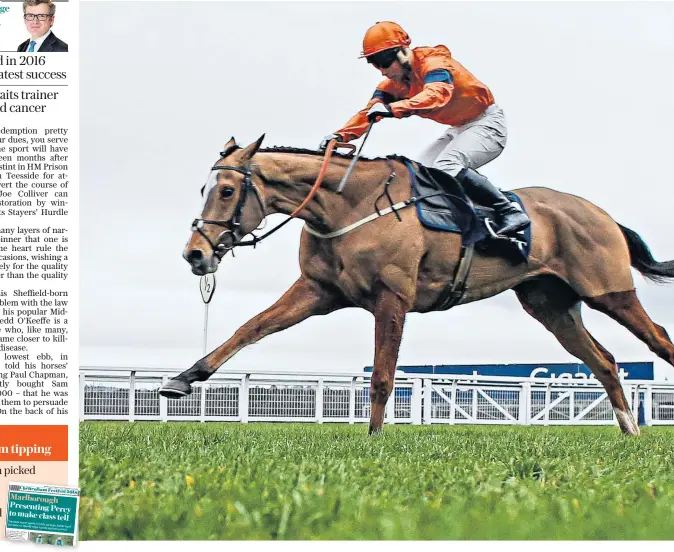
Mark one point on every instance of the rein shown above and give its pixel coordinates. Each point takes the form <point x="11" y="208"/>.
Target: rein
<point x="450" y="297"/>
<point x="220" y="248"/>
<point x="319" y="180"/>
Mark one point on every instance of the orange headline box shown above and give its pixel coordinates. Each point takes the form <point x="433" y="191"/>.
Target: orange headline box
<point x="33" y="443"/>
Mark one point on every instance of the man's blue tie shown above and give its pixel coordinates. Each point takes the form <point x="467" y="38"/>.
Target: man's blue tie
<point x="31" y="46"/>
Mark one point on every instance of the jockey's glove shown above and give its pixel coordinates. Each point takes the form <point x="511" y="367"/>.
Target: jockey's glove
<point x="326" y="140"/>
<point x="379" y="111"/>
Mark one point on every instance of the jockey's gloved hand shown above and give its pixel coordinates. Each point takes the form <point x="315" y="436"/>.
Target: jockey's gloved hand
<point x="379" y="111"/>
<point x="326" y="140"/>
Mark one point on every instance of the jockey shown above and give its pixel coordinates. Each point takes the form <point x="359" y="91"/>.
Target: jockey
<point x="430" y="83"/>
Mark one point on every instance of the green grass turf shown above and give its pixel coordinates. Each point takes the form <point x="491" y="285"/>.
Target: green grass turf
<point x="196" y="481"/>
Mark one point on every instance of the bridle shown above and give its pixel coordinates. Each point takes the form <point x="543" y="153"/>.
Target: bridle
<point x="219" y="247"/>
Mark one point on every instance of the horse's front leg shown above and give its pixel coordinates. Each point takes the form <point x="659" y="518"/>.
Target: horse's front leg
<point x="304" y="299"/>
<point x="389" y="318"/>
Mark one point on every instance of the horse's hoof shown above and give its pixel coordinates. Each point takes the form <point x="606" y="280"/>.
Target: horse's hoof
<point x="176" y="389"/>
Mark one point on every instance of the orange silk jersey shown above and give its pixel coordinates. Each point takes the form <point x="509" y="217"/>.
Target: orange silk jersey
<point x="438" y="88"/>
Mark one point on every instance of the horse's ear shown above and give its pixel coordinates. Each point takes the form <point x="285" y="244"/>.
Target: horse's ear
<point x="249" y="151"/>
<point x="230" y="144"/>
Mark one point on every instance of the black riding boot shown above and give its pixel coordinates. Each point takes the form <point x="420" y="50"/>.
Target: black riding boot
<point x="479" y="189"/>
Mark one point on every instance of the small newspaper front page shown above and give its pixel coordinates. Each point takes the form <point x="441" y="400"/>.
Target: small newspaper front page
<point x="38" y="254"/>
<point x="43" y="514"/>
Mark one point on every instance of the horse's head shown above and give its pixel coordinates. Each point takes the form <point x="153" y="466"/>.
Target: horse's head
<point x="233" y="207"/>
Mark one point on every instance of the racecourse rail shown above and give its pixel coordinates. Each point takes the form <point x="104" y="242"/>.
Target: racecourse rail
<point x="131" y="394"/>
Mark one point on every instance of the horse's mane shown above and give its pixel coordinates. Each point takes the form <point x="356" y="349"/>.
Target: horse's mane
<point x="286" y="149"/>
<point x="304" y="151"/>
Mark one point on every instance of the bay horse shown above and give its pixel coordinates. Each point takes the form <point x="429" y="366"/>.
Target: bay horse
<point x="393" y="265"/>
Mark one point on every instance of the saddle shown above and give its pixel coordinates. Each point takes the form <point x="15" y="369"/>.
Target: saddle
<point x="443" y="205"/>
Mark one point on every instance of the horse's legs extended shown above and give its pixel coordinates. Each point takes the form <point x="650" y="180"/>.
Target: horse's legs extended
<point x="557" y="307"/>
<point x="389" y="318"/>
<point x="626" y="309"/>
<point x="302" y="300"/>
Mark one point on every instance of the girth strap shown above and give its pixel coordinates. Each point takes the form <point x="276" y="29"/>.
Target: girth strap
<point x="451" y="296"/>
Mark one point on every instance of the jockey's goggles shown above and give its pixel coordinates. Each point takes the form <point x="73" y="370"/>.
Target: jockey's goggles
<point x="383" y="60"/>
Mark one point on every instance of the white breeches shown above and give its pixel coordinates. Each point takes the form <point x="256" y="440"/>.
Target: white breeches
<point x="468" y="146"/>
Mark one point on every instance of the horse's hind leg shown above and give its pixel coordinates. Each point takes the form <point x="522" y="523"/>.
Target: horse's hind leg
<point x="626" y="309"/>
<point x="554" y="304"/>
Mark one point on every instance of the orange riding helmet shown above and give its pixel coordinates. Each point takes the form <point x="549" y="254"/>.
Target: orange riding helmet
<point x="383" y="36"/>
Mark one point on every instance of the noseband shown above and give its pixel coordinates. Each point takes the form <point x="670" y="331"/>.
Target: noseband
<point x="220" y="248"/>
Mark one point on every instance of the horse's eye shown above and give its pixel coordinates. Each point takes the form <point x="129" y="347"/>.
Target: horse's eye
<point x="227" y="192"/>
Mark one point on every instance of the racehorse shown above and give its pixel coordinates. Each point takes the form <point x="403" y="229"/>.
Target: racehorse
<point x="393" y="265"/>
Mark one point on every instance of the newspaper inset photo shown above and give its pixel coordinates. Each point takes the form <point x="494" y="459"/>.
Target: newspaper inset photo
<point x="32" y="26"/>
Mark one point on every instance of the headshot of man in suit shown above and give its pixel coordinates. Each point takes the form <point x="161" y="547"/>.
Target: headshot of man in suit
<point x="38" y="15"/>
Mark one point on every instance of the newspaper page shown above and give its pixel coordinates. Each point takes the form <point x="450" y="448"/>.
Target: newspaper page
<point x="555" y="100"/>
<point x="38" y="245"/>
<point x="43" y="514"/>
<point x="572" y="99"/>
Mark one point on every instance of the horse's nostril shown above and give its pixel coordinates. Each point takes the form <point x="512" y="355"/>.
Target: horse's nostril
<point x="194" y="256"/>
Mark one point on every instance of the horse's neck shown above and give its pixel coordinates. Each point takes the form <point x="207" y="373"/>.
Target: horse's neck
<point x="290" y="178"/>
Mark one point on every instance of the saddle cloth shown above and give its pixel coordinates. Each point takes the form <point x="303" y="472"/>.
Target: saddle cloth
<point x="445" y="206"/>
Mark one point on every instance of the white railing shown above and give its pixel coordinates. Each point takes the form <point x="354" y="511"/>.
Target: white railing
<point x="132" y="394"/>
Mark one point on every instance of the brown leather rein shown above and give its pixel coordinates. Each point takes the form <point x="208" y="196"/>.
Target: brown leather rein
<point x="332" y="145"/>
<point x="221" y="249"/>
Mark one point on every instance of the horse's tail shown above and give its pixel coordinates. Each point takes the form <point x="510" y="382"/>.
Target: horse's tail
<point x="642" y="258"/>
